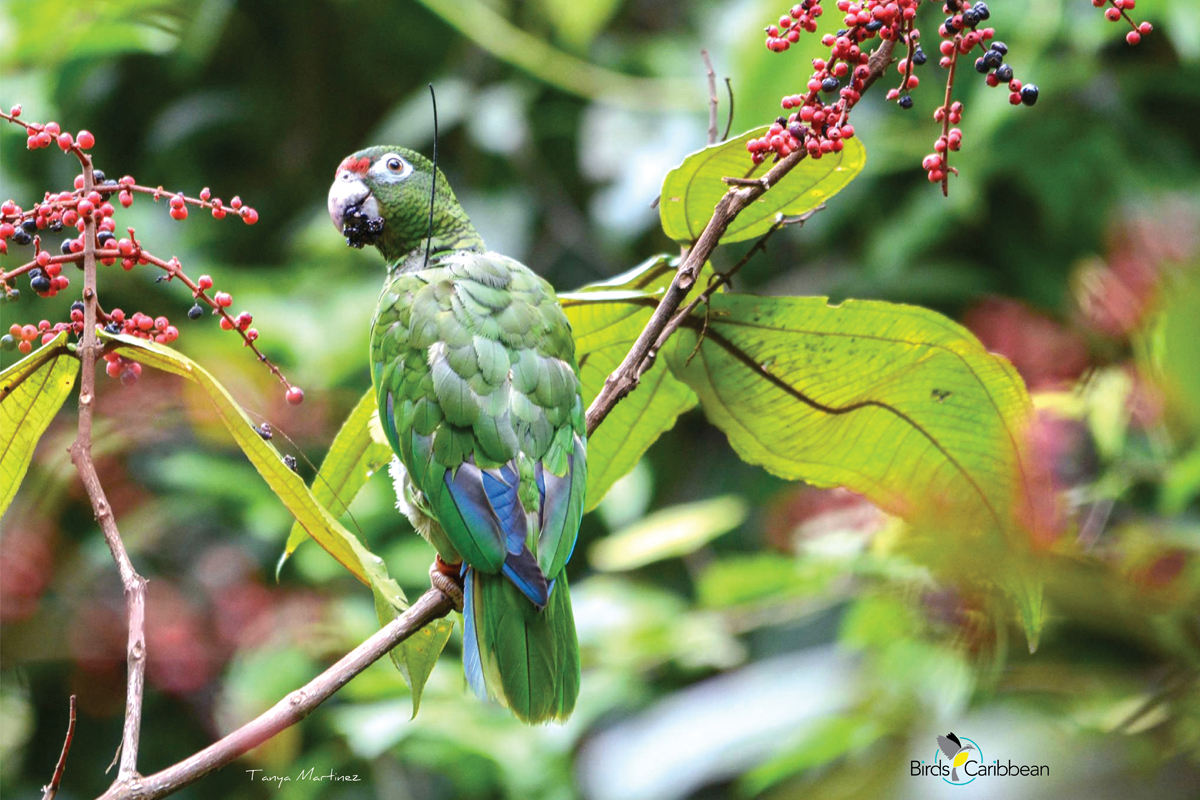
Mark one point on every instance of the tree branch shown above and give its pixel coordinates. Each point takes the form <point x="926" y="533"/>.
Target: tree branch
<point x="433" y="604"/>
<point x="81" y="454"/>
<point x="51" y="789"/>
<point x="712" y="98"/>
<point x="625" y="377"/>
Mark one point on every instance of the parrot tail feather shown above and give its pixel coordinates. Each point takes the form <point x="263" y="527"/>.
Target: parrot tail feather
<point x="524" y="658"/>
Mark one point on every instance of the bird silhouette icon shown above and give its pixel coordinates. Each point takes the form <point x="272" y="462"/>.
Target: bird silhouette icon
<point x="956" y="751"/>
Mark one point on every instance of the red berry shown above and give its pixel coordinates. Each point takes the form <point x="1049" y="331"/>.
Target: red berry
<point x="205" y="194"/>
<point x="249" y="216"/>
<point x="179" y="213"/>
<point x="85" y="208"/>
<point x="86" y="140"/>
<point x="113" y="368"/>
<point x="1133" y="37"/>
<point x="44" y="139"/>
<point x="295" y="395"/>
<point x="53" y="128"/>
<point x="65" y="141"/>
<point x="205" y="282"/>
<point x="224" y="299"/>
<point x="235" y="203"/>
<point x="1145" y="28"/>
<point x="43" y="258"/>
<point x="126" y="199"/>
<point x="24" y="347"/>
<point x="1112" y="15"/>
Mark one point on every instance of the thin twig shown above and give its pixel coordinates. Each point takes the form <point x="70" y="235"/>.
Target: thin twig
<point x="712" y="97"/>
<point x="729" y="119"/>
<point x="288" y="711"/>
<point x="81" y="454"/>
<point x="625" y="377"/>
<point x="51" y="789"/>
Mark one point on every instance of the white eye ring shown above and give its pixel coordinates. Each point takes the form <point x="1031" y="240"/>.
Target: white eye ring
<point x="391" y="168"/>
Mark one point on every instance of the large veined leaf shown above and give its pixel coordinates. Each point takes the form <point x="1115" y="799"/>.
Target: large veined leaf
<point x="286" y="484"/>
<point x="353" y="456"/>
<point x="606" y="319"/>
<point x="895" y="402"/>
<point x="31" y="393"/>
<point x="692" y="190"/>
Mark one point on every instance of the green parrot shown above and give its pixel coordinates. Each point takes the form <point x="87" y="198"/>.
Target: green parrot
<point x="474" y="370"/>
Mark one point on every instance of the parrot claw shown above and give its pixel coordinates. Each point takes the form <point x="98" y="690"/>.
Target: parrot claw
<point x="444" y="578"/>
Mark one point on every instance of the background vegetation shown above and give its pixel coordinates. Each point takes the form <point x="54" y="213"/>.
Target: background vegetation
<point x="794" y="644"/>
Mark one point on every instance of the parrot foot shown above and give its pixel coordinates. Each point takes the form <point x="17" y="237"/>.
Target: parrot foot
<point x="444" y="578"/>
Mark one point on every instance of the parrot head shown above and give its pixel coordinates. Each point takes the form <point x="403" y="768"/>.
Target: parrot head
<point x="381" y="196"/>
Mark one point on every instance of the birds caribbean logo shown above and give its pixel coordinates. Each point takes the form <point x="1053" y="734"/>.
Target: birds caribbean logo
<point x="958" y="754"/>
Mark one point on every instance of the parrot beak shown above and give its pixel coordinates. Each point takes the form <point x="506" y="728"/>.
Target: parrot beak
<point x="346" y="196"/>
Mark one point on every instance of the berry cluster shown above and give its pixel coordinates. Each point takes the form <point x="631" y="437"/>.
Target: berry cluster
<point x="818" y="119"/>
<point x="1116" y="12"/>
<point x="90" y="212"/>
<point x="360" y="229"/>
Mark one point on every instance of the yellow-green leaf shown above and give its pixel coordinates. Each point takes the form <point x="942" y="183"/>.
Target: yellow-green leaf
<point x="416" y="656"/>
<point x="692" y="190"/>
<point x="353" y="456"/>
<point x="606" y="319"/>
<point x="670" y="533"/>
<point x="31" y="393"/>
<point x="895" y="402"/>
<point x="286" y="484"/>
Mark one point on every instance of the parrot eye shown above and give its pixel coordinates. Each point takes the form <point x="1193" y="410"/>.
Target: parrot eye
<point x="390" y="168"/>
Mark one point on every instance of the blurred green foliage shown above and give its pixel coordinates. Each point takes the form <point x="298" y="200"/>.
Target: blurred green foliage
<point x="811" y="651"/>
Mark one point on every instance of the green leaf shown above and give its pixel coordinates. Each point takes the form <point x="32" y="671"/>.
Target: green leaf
<point x="606" y="319"/>
<point x="828" y="740"/>
<point x="693" y="189"/>
<point x="670" y="533"/>
<point x="287" y="485"/>
<point x="577" y="23"/>
<point x="416" y="656"/>
<point x="31" y="393"/>
<point x="894" y="402"/>
<point x="353" y="456"/>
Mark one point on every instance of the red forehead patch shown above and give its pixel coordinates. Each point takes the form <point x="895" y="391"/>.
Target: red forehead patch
<point x="352" y="164"/>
